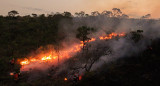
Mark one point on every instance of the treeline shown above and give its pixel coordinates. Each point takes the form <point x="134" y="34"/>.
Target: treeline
<point x="116" y="12"/>
<point x="21" y="34"/>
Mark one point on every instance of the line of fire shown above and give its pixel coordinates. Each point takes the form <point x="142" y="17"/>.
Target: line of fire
<point x="52" y="59"/>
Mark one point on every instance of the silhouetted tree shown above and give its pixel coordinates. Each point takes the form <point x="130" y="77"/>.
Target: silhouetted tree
<point x="124" y="16"/>
<point x="83" y="33"/>
<point x="95" y="13"/>
<point x="80" y="14"/>
<point x="67" y="14"/>
<point x="146" y="16"/>
<point x="34" y="15"/>
<point x="13" y="13"/>
<point x="136" y="35"/>
<point x="107" y="13"/>
<point x="116" y="12"/>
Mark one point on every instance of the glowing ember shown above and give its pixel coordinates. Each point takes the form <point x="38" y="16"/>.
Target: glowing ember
<point x="65" y="79"/>
<point x="80" y="77"/>
<point x="11" y="74"/>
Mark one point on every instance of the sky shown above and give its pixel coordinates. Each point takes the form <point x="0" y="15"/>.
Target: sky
<point x="133" y="8"/>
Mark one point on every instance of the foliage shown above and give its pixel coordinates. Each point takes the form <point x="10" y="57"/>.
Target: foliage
<point x="19" y="35"/>
<point x="13" y="13"/>
<point x="83" y="33"/>
<point x="141" y="70"/>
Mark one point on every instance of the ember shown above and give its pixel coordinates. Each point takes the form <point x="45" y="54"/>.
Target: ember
<point x="11" y="73"/>
<point x="65" y="79"/>
<point x="80" y="77"/>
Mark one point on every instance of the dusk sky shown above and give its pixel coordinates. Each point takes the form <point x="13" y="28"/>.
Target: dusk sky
<point x="133" y="8"/>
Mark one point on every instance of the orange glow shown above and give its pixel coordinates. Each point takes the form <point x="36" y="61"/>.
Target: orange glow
<point x="80" y="77"/>
<point x="92" y="39"/>
<point x="82" y="44"/>
<point x="33" y="60"/>
<point x="110" y="36"/>
<point x="65" y="79"/>
<point x="122" y="34"/>
<point x="11" y="74"/>
<point x="25" y="62"/>
<point x="52" y="55"/>
<point x="46" y="58"/>
<point x="55" y="57"/>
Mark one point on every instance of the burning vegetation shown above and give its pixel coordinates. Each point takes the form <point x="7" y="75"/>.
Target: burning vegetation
<point x="53" y="56"/>
<point x="80" y="50"/>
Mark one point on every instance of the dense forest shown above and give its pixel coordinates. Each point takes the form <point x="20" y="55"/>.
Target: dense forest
<point x="21" y="35"/>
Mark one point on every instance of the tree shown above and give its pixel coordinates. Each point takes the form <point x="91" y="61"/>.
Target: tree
<point x="124" y="16"/>
<point x="83" y="33"/>
<point x="95" y="13"/>
<point x="80" y="14"/>
<point x="67" y="14"/>
<point x="137" y="35"/>
<point x="146" y="16"/>
<point x="86" y="15"/>
<point x="34" y="15"/>
<point x="116" y="12"/>
<point x="90" y="57"/>
<point x="42" y="15"/>
<point x="107" y="13"/>
<point x="13" y="13"/>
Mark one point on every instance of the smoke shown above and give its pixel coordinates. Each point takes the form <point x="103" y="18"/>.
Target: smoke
<point x="100" y="51"/>
<point x="122" y="47"/>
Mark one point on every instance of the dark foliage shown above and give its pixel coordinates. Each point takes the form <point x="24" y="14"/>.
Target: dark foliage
<point x="142" y="70"/>
<point x="21" y="35"/>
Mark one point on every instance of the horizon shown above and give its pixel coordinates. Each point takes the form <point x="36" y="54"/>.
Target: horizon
<point x="134" y="9"/>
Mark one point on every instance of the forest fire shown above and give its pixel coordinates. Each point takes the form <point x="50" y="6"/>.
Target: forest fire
<point x="65" y="79"/>
<point x="110" y="36"/>
<point x="11" y="74"/>
<point x="46" y="58"/>
<point x="24" y="62"/>
<point x="66" y="53"/>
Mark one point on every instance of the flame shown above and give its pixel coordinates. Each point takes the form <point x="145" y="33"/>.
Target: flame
<point x="46" y="58"/>
<point x="11" y="73"/>
<point x="33" y="60"/>
<point x="66" y="53"/>
<point x="25" y="62"/>
<point x="80" y="77"/>
<point x="65" y="79"/>
<point x="110" y="36"/>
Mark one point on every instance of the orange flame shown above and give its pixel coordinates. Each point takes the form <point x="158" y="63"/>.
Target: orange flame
<point x="110" y="36"/>
<point x="66" y="53"/>
<point x="11" y="73"/>
<point x="65" y="79"/>
<point x="46" y="58"/>
<point x="33" y="60"/>
<point x="24" y="62"/>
